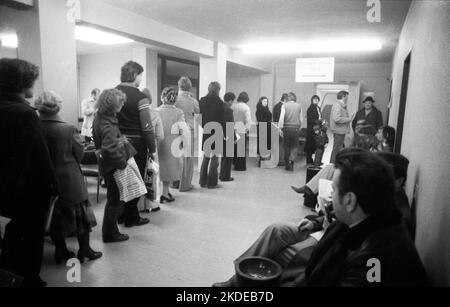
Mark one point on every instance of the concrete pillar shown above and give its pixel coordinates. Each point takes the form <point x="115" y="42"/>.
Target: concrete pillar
<point x="47" y="39"/>
<point x="267" y="87"/>
<point x="149" y="60"/>
<point x="59" y="56"/>
<point x="214" y="69"/>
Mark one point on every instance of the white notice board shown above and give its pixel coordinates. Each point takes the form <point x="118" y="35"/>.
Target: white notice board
<point x="314" y="70"/>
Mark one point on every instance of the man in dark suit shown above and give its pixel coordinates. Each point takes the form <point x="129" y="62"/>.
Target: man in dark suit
<point x="276" y="118"/>
<point x="227" y="161"/>
<point x="368" y="117"/>
<point x="367" y="245"/>
<point x="213" y="116"/>
<point x="27" y="179"/>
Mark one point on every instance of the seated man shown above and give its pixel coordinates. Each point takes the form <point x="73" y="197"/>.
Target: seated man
<point x="368" y="226"/>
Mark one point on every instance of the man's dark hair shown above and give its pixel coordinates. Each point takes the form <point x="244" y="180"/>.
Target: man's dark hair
<point x="130" y="71"/>
<point x="341" y="95"/>
<point x="16" y="75"/>
<point x="370" y="178"/>
<point x="243" y="97"/>
<point x="399" y="163"/>
<point x="229" y="97"/>
<point x="292" y="97"/>
<point x="315" y="97"/>
<point x="284" y="97"/>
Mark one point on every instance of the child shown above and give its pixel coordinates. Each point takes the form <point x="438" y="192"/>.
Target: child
<point x="321" y="139"/>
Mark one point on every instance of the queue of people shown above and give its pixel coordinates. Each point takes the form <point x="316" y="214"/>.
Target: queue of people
<point x="42" y="156"/>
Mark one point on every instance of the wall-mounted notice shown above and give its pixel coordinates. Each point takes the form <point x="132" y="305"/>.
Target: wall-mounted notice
<point x="314" y="70"/>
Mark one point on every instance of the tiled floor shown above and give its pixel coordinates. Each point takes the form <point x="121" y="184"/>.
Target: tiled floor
<point x="193" y="241"/>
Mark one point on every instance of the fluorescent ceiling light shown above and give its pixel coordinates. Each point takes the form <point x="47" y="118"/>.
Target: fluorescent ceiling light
<point x="325" y="46"/>
<point x="91" y="35"/>
<point x="9" y="41"/>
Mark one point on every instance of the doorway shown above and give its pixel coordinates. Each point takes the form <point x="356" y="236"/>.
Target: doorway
<point x="402" y="107"/>
<point x="172" y="69"/>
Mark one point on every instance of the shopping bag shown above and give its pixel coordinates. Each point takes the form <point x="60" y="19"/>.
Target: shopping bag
<point x="129" y="181"/>
<point x="152" y="179"/>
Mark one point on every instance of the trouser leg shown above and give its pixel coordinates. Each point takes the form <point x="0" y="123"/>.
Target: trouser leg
<point x="213" y="171"/>
<point x="113" y="207"/>
<point x="204" y="171"/>
<point x="338" y="144"/>
<point x="319" y="156"/>
<point x="273" y="240"/>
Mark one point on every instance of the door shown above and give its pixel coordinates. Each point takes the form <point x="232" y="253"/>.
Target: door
<point x="402" y="107"/>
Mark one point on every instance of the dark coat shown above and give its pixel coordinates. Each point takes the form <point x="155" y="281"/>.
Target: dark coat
<point x="25" y="166"/>
<point x="374" y="119"/>
<point x="113" y="148"/>
<point x="341" y="256"/>
<point x="66" y="151"/>
<point x="229" y="118"/>
<point x="263" y="115"/>
<point x="211" y="109"/>
<point x="277" y="112"/>
<point x="312" y="115"/>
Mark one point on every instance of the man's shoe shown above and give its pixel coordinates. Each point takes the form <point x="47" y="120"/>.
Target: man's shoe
<point x="227" y="180"/>
<point x="140" y="222"/>
<point x="218" y="186"/>
<point x="115" y="239"/>
<point x="226" y="284"/>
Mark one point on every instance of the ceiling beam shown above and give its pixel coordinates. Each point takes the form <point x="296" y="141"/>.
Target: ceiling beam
<point x="100" y="14"/>
<point x="18" y="4"/>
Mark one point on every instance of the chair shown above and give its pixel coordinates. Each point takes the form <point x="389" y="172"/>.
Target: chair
<point x="89" y="168"/>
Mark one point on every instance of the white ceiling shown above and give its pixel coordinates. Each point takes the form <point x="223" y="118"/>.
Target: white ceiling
<point x="236" y="22"/>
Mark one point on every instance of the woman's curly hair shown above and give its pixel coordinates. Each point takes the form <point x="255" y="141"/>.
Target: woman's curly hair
<point x="169" y="95"/>
<point x="110" y="101"/>
<point x="17" y="75"/>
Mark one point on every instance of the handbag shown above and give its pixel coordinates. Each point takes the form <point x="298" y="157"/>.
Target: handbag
<point x="129" y="181"/>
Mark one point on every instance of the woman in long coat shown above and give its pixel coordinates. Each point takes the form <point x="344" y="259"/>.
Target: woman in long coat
<point x="313" y="114"/>
<point x="73" y="213"/>
<point x="170" y="166"/>
<point x="264" y="118"/>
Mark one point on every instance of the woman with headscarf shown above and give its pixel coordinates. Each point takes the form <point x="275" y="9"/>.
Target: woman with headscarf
<point x="73" y="213"/>
<point x="170" y="166"/>
<point x="264" y="118"/>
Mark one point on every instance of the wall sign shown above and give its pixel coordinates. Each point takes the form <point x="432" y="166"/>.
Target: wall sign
<point x="314" y="70"/>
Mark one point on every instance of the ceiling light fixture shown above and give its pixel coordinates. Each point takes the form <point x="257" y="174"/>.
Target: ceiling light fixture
<point x="324" y="46"/>
<point x="91" y="35"/>
<point x="9" y="41"/>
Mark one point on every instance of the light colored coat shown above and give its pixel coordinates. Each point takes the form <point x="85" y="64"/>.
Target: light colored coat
<point x="88" y="112"/>
<point x="171" y="167"/>
<point x="340" y="120"/>
<point x="189" y="106"/>
<point x="242" y="114"/>
<point x="157" y="124"/>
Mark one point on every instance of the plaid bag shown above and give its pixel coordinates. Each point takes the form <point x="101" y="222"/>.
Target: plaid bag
<point x="129" y="181"/>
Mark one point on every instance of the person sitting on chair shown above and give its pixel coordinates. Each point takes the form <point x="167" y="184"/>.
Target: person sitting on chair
<point x="368" y="226"/>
